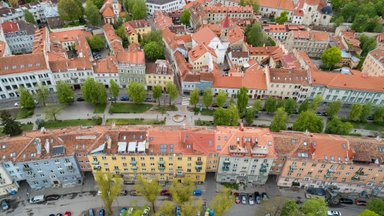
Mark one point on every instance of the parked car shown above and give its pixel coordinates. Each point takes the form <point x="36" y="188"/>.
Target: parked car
<point x="258" y="199"/>
<point x="360" y="202"/>
<point x="165" y="192"/>
<point x="124" y="192"/>
<point x="134" y="193"/>
<point x="251" y="199"/>
<point x="346" y="201"/>
<point x="333" y="213"/>
<point x="52" y="197"/>
<point x="197" y="192"/>
<point x="244" y="199"/>
<point x="177" y="211"/>
<point x="111" y="99"/>
<point x="91" y="213"/>
<point x="148" y="100"/>
<point x="80" y="99"/>
<point x="146" y="211"/>
<point x="101" y="212"/>
<point x="4" y="205"/>
<point x="237" y="200"/>
<point x="59" y="214"/>
<point x="124" y="98"/>
<point x="264" y="196"/>
<point x="122" y="211"/>
<point x="236" y="194"/>
<point x="37" y="199"/>
<point x="67" y="213"/>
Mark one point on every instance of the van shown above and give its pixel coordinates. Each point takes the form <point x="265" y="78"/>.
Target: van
<point x="37" y="199"/>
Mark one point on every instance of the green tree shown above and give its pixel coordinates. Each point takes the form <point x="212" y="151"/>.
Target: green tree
<point x="167" y="209"/>
<point x="114" y="88"/>
<point x="194" y="97"/>
<point x="98" y="3"/>
<point x="360" y="23"/>
<point x="305" y="106"/>
<point x="52" y="111"/>
<point x="374" y="25"/>
<point x="258" y="105"/>
<point x="308" y="121"/>
<point x="367" y="212"/>
<point x="336" y="126"/>
<point x="101" y="93"/>
<point x="185" y="17"/>
<point x="283" y="18"/>
<point x="14" y="3"/>
<point x="367" y="44"/>
<point x="222" y="202"/>
<point x="123" y="35"/>
<point x="378" y="115"/>
<point x="139" y="10"/>
<point x="314" y="207"/>
<point x="249" y="116"/>
<point x="149" y="189"/>
<point x="290" y="208"/>
<point x="333" y="108"/>
<point x="221" y="98"/>
<point x="252" y="3"/>
<point x="28" y="16"/>
<point x="182" y="191"/>
<point x="154" y="51"/>
<point x="272" y="206"/>
<point x="355" y="112"/>
<point x="157" y="92"/>
<point x="227" y="117"/>
<point x="279" y="121"/>
<point x="94" y="92"/>
<point x="367" y="109"/>
<point x="233" y="115"/>
<point x="10" y="126"/>
<point x="270" y="105"/>
<point x="255" y="36"/>
<point x="338" y="21"/>
<point x="136" y="92"/>
<point x="290" y="106"/>
<point x="316" y="102"/>
<point x="376" y="205"/>
<point x="172" y="91"/>
<point x="64" y="93"/>
<point x="242" y="100"/>
<point x="207" y="97"/>
<point x="96" y="42"/>
<point x="350" y="10"/>
<point x="92" y="13"/>
<point x="331" y="57"/>
<point x="70" y="10"/>
<point x="25" y="99"/>
<point x="155" y="36"/>
<point x="191" y="207"/>
<point x="42" y="94"/>
<point x="110" y="188"/>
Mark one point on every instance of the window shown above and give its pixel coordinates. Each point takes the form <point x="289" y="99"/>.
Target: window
<point x="163" y="148"/>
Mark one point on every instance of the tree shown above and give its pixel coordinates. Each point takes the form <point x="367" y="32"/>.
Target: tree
<point x="185" y="17"/>
<point x="252" y="3"/>
<point x="221" y="98"/>
<point x="94" y="92"/>
<point x="42" y="94"/>
<point x="331" y="57"/>
<point x="139" y="10"/>
<point x="222" y="202"/>
<point x="152" y="36"/>
<point x="258" y="105"/>
<point x="154" y="51"/>
<point x="367" y="44"/>
<point x="191" y="208"/>
<point x="367" y="109"/>
<point x="64" y="93"/>
<point x="290" y="208"/>
<point x="70" y="10"/>
<point x="110" y="188"/>
<point x="367" y="212"/>
<point x="333" y="108"/>
<point x="98" y="3"/>
<point x="149" y="189"/>
<point x="194" y="97"/>
<point x="338" y="21"/>
<point x="336" y="126"/>
<point x="242" y="100"/>
<point x="96" y="42"/>
<point x="92" y="13"/>
<point x="10" y="126"/>
<point x="182" y="191"/>
<point x="172" y="91"/>
<point x="360" y="23"/>
<point x="123" y="35"/>
<point x="167" y="208"/>
<point x="290" y="106"/>
<point x="14" y="3"/>
<point x="283" y="18"/>
<point x="315" y="207"/>
<point x="227" y="117"/>
<point x="316" y="102"/>
<point x="114" y="88"/>
<point x="157" y="92"/>
<point x="255" y="36"/>
<point x="52" y="111"/>
<point x="308" y="121"/>
<point x="378" y="115"/>
<point x="279" y="122"/>
<point x="270" y="105"/>
<point x="305" y="106"/>
<point x="272" y="206"/>
<point x="207" y="97"/>
<point x="28" y="16"/>
<point x="355" y="112"/>
<point x="25" y="99"/>
<point x="249" y="116"/>
<point x="376" y="205"/>
<point x="136" y="92"/>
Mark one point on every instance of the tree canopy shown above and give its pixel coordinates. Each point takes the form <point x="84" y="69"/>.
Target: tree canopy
<point x="242" y="100"/>
<point x="282" y="18"/>
<point x="114" y="88"/>
<point x="10" y="126"/>
<point x="182" y="191"/>
<point x="136" y="92"/>
<point x="331" y="57"/>
<point x="336" y="126"/>
<point x="42" y="94"/>
<point x="355" y="113"/>
<point x="270" y="105"/>
<point x="150" y="189"/>
<point x="172" y="91"/>
<point x="185" y="17"/>
<point x="64" y="92"/>
<point x="154" y="51"/>
<point x="222" y="202"/>
<point x="52" y="111"/>
<point x="221" y="98"/>
<point x="333" y="108"/>
<point x="120" y="31"/>
<point x="96" y="42"/>
<point x="207" y="97"/>
<point x="110" y="188"/>
<point x="139" y="10"/>
<point x="376" y="205"/>
<point x="28" y="16"/>
<point x="92" y="13"/>
<point x="256" y="37"/>
<point x="378" y="115"/>
<point x="157" y="92"/>
<point x="70" y="10"/>
<point x="367" y="44"/>
<point x="194" y="97"/>
<point x="279" y="121"/>
<point x="308" y="121"/>
<point x="228" y="117"/>
<point x="25" y="99"/>
<point x="94" y="92"/>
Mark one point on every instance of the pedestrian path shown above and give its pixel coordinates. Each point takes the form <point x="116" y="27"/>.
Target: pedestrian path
<point x="185" y="101"/>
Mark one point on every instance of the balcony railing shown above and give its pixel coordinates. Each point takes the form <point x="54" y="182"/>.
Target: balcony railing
<point x="179" y="174"/>
<point x="260" y="151"/>
<point x="227" y="162"/>
<point x="27" y="169"/>
<point x="160" y="162"/>
<point x="199" y="162"/>
<point x="133" y="163"/>
<point x="225" y="169"/>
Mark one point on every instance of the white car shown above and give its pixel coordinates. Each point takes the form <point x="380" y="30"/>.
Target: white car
<point x="16" y="104"/>
<point x="333" y="213"/>
<point x="146" y="211"/>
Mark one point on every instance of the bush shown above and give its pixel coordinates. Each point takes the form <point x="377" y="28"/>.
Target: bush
<point x="97" y="119"/>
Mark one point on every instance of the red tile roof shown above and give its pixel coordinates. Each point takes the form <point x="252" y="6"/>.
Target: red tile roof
<point x="278" y="4"/>
<point x="228" y="9"/>
<point x="132" y="56"/>
<point x="106" y="65"/>
<point x="23" y="63"/>
<point x="204" y="35"/>
<point x="200" y="50"/>
<point x="294" y="76"/>
<point x="2" y="48"/>
<point x="9" y="27"/>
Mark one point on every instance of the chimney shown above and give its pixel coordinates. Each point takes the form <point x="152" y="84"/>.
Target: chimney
<point x="47" y="145"/>
<point x="109" y="142"/>
<point x="241" y="128"/>
<point x="38" y="146"/>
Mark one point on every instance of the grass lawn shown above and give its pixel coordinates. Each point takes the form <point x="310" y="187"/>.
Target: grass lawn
<point x="203" y="123"/>
<point x="129" y="108"/>
<point x="24" y="113"/>
<point x="68" y="123"/>
<point x="27" y="127"/>
<point x="369" y="126"/>
<point x="164" y="109"/>
<point x="99" y="108"/>
<point x="134" y="122"/>
<point x="204" y="111"/>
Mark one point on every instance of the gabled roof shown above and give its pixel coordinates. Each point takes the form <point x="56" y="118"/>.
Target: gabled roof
<point x="204" y="35"/>
<point x="106" y="65"/>
<point x="278" y="4"/>
<point x="22" y="63"/>
<point x="199" y="51"/>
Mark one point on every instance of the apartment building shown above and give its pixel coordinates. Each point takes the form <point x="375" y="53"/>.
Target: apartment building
<point x="158" y="73"/>
<point x="266" y="55"/>
<point x="7" y="185"/>
<point x="280" y="32"/>
<point x="164" y="5"/>
<point x="312" y="42"/>
<point x="114" y="42"/>
<point x="374" y="63"/>
<point x="247" y="155"/>
<point x="17" y="14"/>
<point x="131" y="65"/>
<point x="202" y="58"/>
<point x="215" y="14"/>
<point x="309" y="12"/>
<point x="19" y="36"/>
<point x="106" y="70"/>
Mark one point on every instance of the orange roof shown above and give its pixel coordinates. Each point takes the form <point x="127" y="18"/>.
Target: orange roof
<point x="70" y="35"/>
<point x="204" y="35"/>
<point x="331" y="148"/>
<point x="139" y="23"/>
<point x="351" y="38"/>
<point x="162" y="20"/>
<point x="2" y="48"/>
<point x="278" y="4"/>
<point x="129" y="29"/>
<point x="39" y="40"/>
<point x="378" y="54"/>
<point x="66" y="64"/>
<point x="106" y="65"/>
<point x="183" y="66"/>
<point x="354" y="81"/>
<point x="132" y="56"/>
<point x="200" y="50"/>
<point x="113" y="40"/>
<point x="108" y="12"/>
<point x="380" y="38"/>
<point x="229" y="9"/>
<point x="295" y="76"/>
<point x="22" y="63"/>
<point x="235" y="34"/>
<point x="10" y="27"/>
<point x="311" y="35"/>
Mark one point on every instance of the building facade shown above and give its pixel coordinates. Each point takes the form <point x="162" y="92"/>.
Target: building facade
<point x="19" y="36"/>
<point x="374" y="63"/>
<point x="164" y="5"/>
<point x="7" y="184"/>
<point x="131" y="65"/>
<point x="159" y="73"/>
<point x="312" y="42"/>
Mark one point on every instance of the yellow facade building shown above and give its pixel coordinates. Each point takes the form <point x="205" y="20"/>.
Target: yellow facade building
<point x="158" y="73"/>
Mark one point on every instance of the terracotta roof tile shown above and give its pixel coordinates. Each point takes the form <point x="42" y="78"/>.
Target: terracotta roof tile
<point x="139" y="23"/>
<point x="204" y="35"/>
<point x="22" y="63"/>
<point x="378" y="54"/>
<point x="106" y="65"/>
<point x="2" y="48"/>
<point x="200" y="50"/>
<point x="278" y="4"/>
<point x="9" y="27"/>
<point x="295" y="76"/>
<point x="228" y="9"/>
<point x="133" y="56"/>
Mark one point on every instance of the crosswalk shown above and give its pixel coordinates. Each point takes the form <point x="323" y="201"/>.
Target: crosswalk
<point x="185" y="101"/>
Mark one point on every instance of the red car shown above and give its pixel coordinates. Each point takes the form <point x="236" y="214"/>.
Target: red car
<point x="165" y="192"/>
<point x="67" y="213"/>
<point x="360" y="202"/>
<point x="237" y="200"/>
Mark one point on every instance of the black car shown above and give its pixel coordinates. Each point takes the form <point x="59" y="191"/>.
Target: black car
<point x="80" y="99"/>
<point x="256" y="194"/>
<point x="52" y="197"/>
<point x="124" y="193"/>
<point x="346" y="201"/>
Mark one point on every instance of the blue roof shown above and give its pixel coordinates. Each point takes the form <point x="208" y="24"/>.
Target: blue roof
<point x="345" y="54"/>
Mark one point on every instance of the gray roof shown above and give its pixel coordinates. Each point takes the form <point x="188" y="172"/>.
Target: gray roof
<point x="160" y="2"/>
<point x="25" y="26"/>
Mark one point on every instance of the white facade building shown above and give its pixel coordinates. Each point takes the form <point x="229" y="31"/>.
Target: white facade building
<point x="164" y="5"/>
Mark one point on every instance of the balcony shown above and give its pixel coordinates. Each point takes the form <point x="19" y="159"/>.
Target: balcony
<point x="97" y="167"/>
<point x="263" y="171"/>
<point x="26" y="169"/>
<point x="67" y="164"/>
<point x="198" y="167"/>
<point x="234" y="149"/>
<point x="161" y="167"/>
<point x="259" y="151"/>
<point x="133" y="163"/>
<point x="160" y="162"/>
<point x="225" y="168"/>
<point x="199" y="162"/>
<point x="227" y="162"/>
<point x="95" y="162"/>
<point x="179" y="174"/>
<point x="292" y="167"/>
<point x="355" y="178"/>
<point x="327" y="175"/>
<point x="134" y="168"/>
